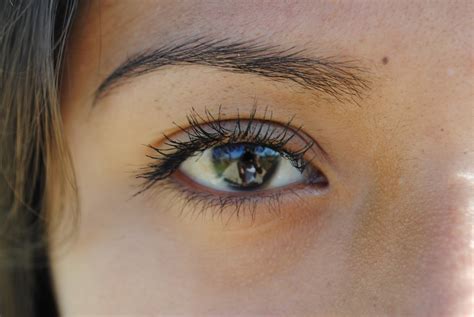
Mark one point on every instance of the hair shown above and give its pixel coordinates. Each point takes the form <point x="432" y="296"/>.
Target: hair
<point x="32" y="148"/>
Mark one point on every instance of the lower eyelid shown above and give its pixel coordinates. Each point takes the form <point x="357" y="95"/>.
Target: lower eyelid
<point x="256" y="207"/>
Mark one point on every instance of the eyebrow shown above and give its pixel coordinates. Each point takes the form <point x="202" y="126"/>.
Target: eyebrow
<point x="340" y="78"/>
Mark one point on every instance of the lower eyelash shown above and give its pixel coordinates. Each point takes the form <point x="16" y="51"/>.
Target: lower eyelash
<point x="224" y="207"/>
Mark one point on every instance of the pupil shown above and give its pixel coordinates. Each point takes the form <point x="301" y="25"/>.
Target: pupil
<point x="245" y="166"/>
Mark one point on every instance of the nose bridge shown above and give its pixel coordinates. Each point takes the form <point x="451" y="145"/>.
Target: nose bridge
<point x="417" y="235"/>
<point x="467" y="180"/>
<point x="455" y="253"/>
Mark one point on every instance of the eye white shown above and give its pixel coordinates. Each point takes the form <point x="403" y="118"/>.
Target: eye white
<point x="200" y="169"/>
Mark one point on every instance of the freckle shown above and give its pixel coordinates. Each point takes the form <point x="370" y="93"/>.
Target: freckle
<point x="385" y="60"/>
<point x="441" y="129"/>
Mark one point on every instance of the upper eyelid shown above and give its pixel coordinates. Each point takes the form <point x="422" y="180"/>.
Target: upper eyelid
<point x="266" y="117"/>
<point x="194" y="118"/>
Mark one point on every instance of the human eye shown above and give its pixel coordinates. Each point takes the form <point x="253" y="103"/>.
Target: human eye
<point x="241" y="167"/>
<point x="245" y="164"/>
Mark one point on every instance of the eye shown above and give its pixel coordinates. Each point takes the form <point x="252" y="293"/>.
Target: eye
<point x="241" y="167"/>
<point x="242" y="163"/>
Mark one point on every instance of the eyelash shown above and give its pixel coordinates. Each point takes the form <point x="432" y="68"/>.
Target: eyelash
<point x="206" y="131"/>
<point x="202" y="203"/>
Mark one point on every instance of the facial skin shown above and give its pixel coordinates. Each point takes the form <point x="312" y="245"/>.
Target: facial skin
<point x="391" y="236"/>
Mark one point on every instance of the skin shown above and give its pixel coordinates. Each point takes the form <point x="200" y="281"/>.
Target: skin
<point x="391" y="236"/>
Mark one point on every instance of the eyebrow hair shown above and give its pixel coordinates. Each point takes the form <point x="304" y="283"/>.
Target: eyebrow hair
<point x="342" y="79"/>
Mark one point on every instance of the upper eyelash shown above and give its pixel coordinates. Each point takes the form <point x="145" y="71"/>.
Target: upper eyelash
<point x="206" y="131"/>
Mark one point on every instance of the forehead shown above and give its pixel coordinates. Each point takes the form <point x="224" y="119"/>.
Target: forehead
<point x="107" y="32"/>
<point x="274" y="16"/>
<point x="328" y="26"/>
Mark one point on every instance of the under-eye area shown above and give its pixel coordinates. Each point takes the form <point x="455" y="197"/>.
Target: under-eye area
<point x="242" y="166"/>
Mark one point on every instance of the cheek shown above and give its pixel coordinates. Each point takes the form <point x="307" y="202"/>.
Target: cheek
<point x="164" y="261"/>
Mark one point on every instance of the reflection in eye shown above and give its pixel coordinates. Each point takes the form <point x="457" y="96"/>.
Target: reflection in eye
<point x="241" y="167"/>
<point x="217" y="163"/>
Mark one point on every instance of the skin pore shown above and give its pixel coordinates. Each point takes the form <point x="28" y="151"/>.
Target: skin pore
<point x="390" y="236"/>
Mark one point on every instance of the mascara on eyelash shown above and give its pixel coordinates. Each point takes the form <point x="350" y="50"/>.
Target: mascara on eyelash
<point x="207" y="131"/>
